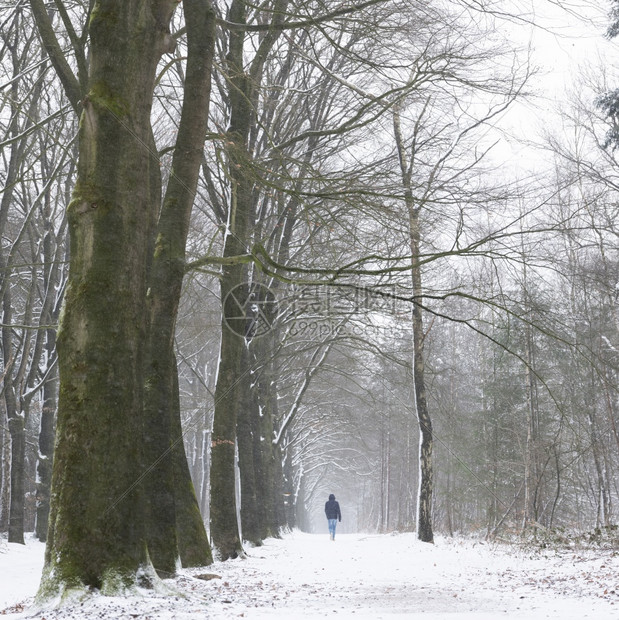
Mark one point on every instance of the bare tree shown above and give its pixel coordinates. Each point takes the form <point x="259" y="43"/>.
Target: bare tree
<point x="114" y="251"/>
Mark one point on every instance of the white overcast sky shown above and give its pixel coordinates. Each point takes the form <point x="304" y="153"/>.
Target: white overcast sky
<point x="569" y="34"/>
<point x="565" y="39"/>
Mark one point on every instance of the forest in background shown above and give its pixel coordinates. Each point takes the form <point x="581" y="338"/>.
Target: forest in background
<point x="377" y="235"/>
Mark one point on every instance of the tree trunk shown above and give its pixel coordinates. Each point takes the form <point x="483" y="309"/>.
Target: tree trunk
<point x="424" y="497"/>
<point x="424" y="500"/>
<point x="530" y="477"/>
<point x="193" y="545"/>
<point x="261" y="481"/>
<point x="17" y="432"/>
<point x="166" y="485"/>
<point x="16" y="424"/>
<point x="46" y="442"/>
<point x="271" y="474"/>
<point x="52" y="251"/>
<point x="249" y="467"/>
<point x="290" y="494"/>
<point x="5" y="473"/>
<point x="383" y="466"/>
<point x="224" y="526"/>
<point x="96" y="536"/>
<point x="243" y="85"/>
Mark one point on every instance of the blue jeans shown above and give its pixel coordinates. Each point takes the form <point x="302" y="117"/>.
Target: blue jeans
<point x="332" y="524"/>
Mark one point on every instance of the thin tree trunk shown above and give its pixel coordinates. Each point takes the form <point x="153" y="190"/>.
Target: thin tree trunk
<point x="529" y="478"/>
<point x="53" y="286"/>
<point x="531" y="458"/>
<point x="383" y="494"/>
<point x="17" y="433"/>
<point x="271" y="477"/>
<point x="46" y="441"/>
<point x="289" y="491"/>
<point x="251" y="517"/>
<point x="193" y="545"/>
<point x="5" y="472"/>
<point x="426" y="484"/>
<point x="16" y="424"/>
<point x="261" y="493"/>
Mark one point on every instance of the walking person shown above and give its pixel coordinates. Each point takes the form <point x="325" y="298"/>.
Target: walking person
<point x="334" y="514"/>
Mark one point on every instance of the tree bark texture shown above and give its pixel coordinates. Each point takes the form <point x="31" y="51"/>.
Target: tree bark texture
<point x="17" y="433"/>
<point x="246" y="428"/>
<point x="243" y="88"/>
<point x="16" y="425"/>
<point x="168" y="484"/>
<point x="52" y="279"/>
<point x="46" y="444"/>
<point x="261" y="488"/>
<point x="224" y="527"/>
<point x="193" y="545"/>
<point x="426" y="484"/>
<point x="269" y="459"/>
<point x="225" y="533"/>
<point x="96" y="535"/>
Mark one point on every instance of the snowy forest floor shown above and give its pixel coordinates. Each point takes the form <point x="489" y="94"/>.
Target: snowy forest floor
<point x="357" y="576"/>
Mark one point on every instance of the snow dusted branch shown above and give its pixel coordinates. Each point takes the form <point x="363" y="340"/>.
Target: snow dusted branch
<point x="318" y="358"/>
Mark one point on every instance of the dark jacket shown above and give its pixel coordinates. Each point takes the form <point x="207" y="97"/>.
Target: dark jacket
<point x="332" y="509"/>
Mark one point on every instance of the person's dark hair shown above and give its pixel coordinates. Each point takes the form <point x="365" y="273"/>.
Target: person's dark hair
<point x="331" y="496"/>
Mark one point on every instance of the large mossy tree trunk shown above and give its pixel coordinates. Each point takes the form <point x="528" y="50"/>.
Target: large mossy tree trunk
<point x="96" y="536"/>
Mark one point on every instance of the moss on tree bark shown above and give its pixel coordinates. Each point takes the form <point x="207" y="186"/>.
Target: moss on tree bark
<point x="175" y="526"/>
<point x="96" y="535"/>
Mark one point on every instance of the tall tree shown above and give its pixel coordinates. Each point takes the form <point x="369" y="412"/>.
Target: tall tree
<point x="234" y="294"/>
<point x="175" y="521"/>
<point x="96" y="525"/>
<point x="413" y="207"/>
<point x="106" y="513"/>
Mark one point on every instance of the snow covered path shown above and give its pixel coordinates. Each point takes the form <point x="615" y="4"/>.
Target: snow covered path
<point x="358" y="577"/>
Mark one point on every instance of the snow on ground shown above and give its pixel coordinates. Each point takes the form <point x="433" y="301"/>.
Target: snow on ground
<point x="357" y="576"/>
